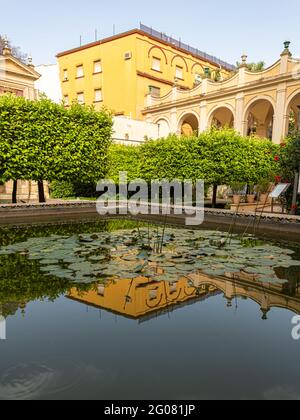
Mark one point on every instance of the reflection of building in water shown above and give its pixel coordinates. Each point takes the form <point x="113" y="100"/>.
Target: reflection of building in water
<point x="266" y="295"/>
<point x="141" y="298"/>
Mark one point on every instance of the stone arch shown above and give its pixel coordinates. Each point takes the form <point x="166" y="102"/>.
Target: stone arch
<point x="259" y="117"/>
<point x="292" y="112"/>
<point x="282" y="306"/>
<point x="197" y="71"/>
<point x="222" y="116"/>
<point x="210" y="283"/>
<point x="188" y="124"/>
<point x="183" y="59"/>
<point x="161" y="50"/>
<point x="163" y="127"/>
<point x="199" y="65"/>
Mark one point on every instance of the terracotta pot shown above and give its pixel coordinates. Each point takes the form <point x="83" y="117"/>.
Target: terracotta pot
<point x="264" y="198"/>
<point x="251" y="198"/>
<point x="236" y="199"/>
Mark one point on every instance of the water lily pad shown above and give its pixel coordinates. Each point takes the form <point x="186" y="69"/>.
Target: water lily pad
<point x="214" y="272"/>
<point x="251" y="270"/>
<point x="97" y="258"/>
<point x="49" y="262"/>
<point x="143" y="255"/>
<point x="167" y="278"/>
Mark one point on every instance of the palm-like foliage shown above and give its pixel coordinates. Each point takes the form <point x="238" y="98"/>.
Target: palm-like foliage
<point x="254" y="67"/>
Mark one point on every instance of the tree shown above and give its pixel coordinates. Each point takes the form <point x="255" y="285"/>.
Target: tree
<point x="16" y="51"/>
<point x="80" y="155"/>
<point x="219" y="157"/>
<point x="290" y="169"/>
<point x="12" y="142"/>
<point x="124" y="159"/>
<point x="42" y="140"/>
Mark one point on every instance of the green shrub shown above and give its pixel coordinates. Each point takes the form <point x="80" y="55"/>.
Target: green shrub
<point x="220" y="157"/>
<point x="63" y="189"/>
<point x="41" y="140"/>
<point x="124" y="159"/>
<point x="290" y="165"/>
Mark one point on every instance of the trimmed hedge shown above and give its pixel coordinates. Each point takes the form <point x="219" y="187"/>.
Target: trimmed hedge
<point x="219" y="157"/>
<point x="41" y="140"/>
<point x="124" y="158"/>
<point x="290" y="164"/>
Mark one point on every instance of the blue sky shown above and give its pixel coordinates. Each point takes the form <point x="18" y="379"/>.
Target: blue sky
<point x="222" y="28"/>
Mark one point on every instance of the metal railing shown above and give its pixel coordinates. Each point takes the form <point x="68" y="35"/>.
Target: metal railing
<point x="188" y="48"/>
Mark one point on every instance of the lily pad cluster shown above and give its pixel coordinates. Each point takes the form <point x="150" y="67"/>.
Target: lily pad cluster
<point x="160" y="256"/>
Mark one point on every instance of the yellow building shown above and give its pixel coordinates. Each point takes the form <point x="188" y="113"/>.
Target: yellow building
<point x="120" y="71"/>
<point x="140" y="298"/>
<point x="259" y="103"/>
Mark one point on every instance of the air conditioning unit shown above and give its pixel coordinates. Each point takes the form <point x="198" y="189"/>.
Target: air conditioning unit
<point x="128" y="56"/>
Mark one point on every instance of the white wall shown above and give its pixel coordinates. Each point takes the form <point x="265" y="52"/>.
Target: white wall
<point x="128" y="131"/>
<point x="49" y="82"/>
<point x="163" y="128"/>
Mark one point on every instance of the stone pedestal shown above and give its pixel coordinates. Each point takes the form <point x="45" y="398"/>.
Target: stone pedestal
<point x="252" y="208"/>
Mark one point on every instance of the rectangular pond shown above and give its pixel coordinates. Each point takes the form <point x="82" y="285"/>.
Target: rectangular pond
<point x="125" y="310"/>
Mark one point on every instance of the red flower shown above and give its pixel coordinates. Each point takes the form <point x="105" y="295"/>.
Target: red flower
<point x="294" y="207"/>
<point x="278" y="179"/>
<point x="277" y="158"/>
<point x="283" y="144"/>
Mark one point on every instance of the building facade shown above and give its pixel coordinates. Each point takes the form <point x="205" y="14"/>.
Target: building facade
<point x="119" y="72"/>
<point x="261" y="103"/>
<point x="49" y="82"/>
<point x="19" y="79"/>
<point x="142" y="300"/>
<point x="133" y="132"/>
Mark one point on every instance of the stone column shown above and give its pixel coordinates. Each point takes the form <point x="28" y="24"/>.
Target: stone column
<point x="242" y="69"/>
<point x="203" y="124"/>
<point x="285" y="57"/>
<point x="204" y="86"/>
<point x="239" y="113"/>
<point x="174" y="122"/>
<point x="280" y="118"/>
<point x="265" y="307"/>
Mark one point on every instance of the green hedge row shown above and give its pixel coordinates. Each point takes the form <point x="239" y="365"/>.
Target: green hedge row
<point x="220" y="157"/>
<point x="41" y="140"/>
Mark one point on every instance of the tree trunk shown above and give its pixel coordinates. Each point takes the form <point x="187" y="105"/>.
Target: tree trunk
<point x="14" y="193"/>
<point x="42" y="198"/>
<point x="214" y="198"/>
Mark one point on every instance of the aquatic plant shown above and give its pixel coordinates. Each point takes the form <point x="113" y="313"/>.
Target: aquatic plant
<point x="168" y="256"/>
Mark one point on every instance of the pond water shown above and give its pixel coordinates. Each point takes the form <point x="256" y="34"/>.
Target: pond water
<point x="119" y="310"/>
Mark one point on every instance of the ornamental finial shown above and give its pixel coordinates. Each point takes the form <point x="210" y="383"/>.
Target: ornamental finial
<point x="6" y="48"/>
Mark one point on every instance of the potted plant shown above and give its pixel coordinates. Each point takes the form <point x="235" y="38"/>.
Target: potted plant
<point x="237" y="188"/>
<point x="263" y="188"/>
<point x="251" y="194"/>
